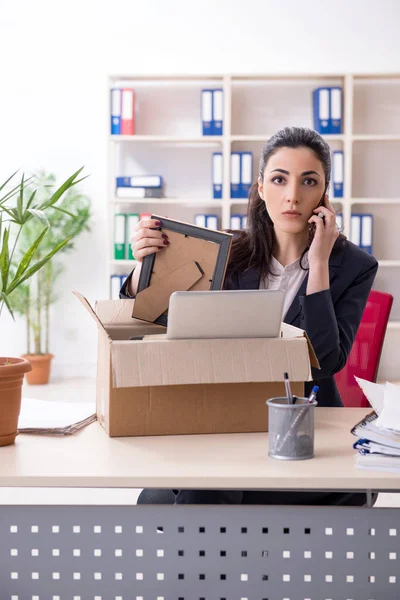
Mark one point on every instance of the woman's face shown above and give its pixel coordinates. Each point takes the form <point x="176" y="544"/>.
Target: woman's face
<point x="293" y="185"/>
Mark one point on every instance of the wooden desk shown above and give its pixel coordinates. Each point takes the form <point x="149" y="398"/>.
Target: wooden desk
<point x="168" y="552"/>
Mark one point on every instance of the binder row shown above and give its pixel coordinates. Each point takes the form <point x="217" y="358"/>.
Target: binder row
<point x="122" y="111"/>
<point x="238" y="221"/>
<point x="140" y="186"/>
<point x="206" y="220"/>
<point x="241" y="174"/>
<point x="360" y="229"/>
<point x="328" y="109"/>
<point x="212" y="112"/>
<point x="124" y="225"/>
<point x="116" y="282"/>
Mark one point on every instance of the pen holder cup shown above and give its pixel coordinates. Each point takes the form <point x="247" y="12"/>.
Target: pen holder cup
<point x="291" y="428"/>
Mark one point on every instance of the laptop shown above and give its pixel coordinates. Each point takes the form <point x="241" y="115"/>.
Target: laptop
<point x="225" y="314"/>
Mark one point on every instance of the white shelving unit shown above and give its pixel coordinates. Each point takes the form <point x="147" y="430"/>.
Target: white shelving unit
<point x="168" y="142"/>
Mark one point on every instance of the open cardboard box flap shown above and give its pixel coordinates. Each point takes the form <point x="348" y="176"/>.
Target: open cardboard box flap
<point x="156" y="361"/>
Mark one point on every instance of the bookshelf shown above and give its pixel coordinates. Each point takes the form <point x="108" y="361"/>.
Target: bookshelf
<point x="168" y="142"/>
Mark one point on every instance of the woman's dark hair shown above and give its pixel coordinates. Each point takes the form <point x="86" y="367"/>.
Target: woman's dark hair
<point x="254" y="247"/>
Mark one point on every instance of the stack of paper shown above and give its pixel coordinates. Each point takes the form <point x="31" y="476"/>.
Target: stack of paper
<point x="379" y="433"/>
<point x="55" y="418"/>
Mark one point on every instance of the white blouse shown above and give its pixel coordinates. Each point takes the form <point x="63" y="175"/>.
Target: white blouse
<point x="288" y="279"/>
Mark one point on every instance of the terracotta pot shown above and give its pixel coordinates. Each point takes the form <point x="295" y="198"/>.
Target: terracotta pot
<point x="12" y="371"/>
<point x="40" y="373"/>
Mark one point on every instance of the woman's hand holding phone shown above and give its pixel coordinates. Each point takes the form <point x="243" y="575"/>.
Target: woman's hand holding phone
<point x="326" y="233"/>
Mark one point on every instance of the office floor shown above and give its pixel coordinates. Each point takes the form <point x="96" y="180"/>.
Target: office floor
<point x="83" y="390"/>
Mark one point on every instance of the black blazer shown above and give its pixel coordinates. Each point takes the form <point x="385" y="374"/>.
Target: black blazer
<point x="330" y="318"/>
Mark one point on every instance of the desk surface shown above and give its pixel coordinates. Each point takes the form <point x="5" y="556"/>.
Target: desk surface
<point x="92" y="459"/>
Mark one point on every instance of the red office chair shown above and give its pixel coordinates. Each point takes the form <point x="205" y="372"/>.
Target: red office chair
<point x="364" y="357"/>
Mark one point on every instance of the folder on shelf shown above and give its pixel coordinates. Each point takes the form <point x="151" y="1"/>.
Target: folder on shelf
<point x="217" y="175"/>
<point x="355" y="229"/>
<point x="321" y="110"/>
<point x="236" y="221"/>
<point x="339" y="221"/>
<point x="119" y="236"/>
<point x="336" y="110"/>
<point x="142" y="181"/>
<point x="138" y="193"/>
<point x="132" y="220"/>
<point x="337" y="173"/>
<point x="366" y="233"/>
<point x="246" y="173"/>
<point x="212" y="222"/>
<point x="244" y="221"/>
<point x="200" y="220"/>
<point x="207" y="111"/>
<point x="217" y="125"/>
<point x="235" y="175"/>
<point x="127" y="112"/>
<point x="116" y="111"/>
<point x="115" y="286"/>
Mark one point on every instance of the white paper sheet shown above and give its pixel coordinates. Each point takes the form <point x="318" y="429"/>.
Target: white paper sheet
<point x="48" y="414"/>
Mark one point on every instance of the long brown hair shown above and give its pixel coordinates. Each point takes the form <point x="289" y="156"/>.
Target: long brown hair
<point x="253" y="248"/>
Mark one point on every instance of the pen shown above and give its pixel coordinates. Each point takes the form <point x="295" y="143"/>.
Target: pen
<point x="313" y="394"/>
<point x="287" y="388"/>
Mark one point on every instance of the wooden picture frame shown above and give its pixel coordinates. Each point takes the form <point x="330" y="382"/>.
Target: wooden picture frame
<point x="195" y="259"/>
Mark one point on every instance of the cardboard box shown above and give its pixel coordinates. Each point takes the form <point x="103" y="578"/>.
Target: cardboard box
<point x="155" y="386"/>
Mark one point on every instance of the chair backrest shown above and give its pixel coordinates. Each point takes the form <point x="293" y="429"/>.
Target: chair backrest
<point x="364" y="357"/>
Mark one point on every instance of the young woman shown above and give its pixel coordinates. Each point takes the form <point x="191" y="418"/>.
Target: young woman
<point x="292" y="243"/>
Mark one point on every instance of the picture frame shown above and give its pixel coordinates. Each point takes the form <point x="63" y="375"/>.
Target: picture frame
<point x="190" y="247"/>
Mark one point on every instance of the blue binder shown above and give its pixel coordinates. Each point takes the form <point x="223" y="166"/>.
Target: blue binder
<point x="235" y="174"/>
<point x="366" y="232"/>
<point x="217" y="175"/>
<point x="337" y="173"/>
<point x="335" y="110"/>
<point x="246" y="173"/>
<point x="115" y="286"/>
<point x="237" y="221"/>
<point x="355" y="229"/>
<point x="116" y="96"/>
<point x="207" y="112"/>
<point x="217" y="124"/>
<point x="212" y="221"/>
<point x="321" y="111"/>
<point x="146" y="181"/>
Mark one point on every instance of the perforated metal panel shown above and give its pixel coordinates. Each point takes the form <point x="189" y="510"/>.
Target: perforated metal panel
<point x="199" y="553"/>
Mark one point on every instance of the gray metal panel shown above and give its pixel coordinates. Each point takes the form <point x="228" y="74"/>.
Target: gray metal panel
<point x="202" y="552"/>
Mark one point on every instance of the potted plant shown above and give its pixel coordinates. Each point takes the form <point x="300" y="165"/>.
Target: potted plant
<point x="34" y="298"/>
<point x="18" y="211"/>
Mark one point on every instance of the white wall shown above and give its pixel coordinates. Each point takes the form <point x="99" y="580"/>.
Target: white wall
<point x="53" y="101"/>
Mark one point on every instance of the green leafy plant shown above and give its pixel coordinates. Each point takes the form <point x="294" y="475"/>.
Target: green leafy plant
<point x="34" y="297"/>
